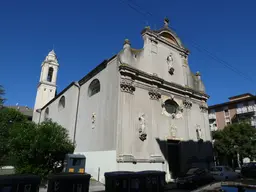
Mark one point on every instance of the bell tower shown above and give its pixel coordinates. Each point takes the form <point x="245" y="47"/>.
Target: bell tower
<point x="46" y="89"/>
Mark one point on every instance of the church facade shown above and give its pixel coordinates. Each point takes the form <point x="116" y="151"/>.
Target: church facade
<point x="142" y="109"/>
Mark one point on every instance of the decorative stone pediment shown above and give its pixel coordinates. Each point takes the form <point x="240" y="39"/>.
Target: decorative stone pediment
<point x="187" y="104"/>
<point x="154" y="94"/>
<point x="127" y="85"/>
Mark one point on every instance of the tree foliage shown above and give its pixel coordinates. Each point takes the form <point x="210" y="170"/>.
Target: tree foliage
<point x="236" y="138"/>
<point x="39" y="149"/>
<point x="8" y="117"/>
<point x="2" y="92"/>
<point x="32" y="148"/>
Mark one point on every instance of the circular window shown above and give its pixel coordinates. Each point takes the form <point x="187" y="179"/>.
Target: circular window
<point x="170" y="106"/>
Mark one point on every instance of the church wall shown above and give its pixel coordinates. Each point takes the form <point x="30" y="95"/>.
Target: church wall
<point x="97" y="114"/>
<point x="99" y="162"/>
<point x="158" y="127"/>
<point x="153" y="60"/>
<point x="67" y="115"/>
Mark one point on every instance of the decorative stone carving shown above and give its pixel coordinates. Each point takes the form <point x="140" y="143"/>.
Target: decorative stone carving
<point x="187" y="104"/>
<point x="170" y="64"/>
<point x="198" y="132"/>
<point x="127" y="86"/>
<point x="179" y="115"/>
<point x="142" y="128"/>
<point x="176" y="115"/>
<point x="203" y="107"/>
<point x="93" y="120"/>
<point x="154" y="94"/>
<point x="173" y="131"/>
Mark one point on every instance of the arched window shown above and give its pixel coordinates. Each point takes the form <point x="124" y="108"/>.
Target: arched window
<point x="46" y="114"/>
<point x="50" y="73"/>
<point x="94" y="87"/>
<point x="171" y="106"/>
<point x="62" y="103"/>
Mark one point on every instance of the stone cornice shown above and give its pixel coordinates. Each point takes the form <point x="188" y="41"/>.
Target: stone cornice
<point x="138" y="75"/>
<point x="50" y="62"/>
<point x="131" y="159"/>
<point x="203" y="107"/>
<point x="46" y="83"/>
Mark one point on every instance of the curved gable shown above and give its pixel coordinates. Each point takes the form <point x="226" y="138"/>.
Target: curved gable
<point x="169" y="37"/>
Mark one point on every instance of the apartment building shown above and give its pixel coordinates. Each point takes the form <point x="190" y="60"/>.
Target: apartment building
<point x="238" y="108"/>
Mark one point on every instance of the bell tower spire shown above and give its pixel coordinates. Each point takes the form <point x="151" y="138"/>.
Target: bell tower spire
<point x="47" y="83"/>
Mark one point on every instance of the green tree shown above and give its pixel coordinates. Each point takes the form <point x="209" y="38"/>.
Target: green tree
<point x="237" y="138"/>
<point x="2" y="92"/>
<point x="39" y="149"/>
<point x="8" y="117"/>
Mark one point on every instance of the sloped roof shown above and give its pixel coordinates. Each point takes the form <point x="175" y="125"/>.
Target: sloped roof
<point x="23" y="109"/>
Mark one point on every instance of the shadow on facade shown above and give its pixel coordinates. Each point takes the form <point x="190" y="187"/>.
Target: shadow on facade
<point x="182" y="155"/>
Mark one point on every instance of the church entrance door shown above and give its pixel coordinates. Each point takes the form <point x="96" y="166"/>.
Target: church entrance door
<point x="173" y="157"/>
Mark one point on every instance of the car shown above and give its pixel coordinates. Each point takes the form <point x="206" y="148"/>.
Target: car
<point x="194" y="177"/>
<point x="249" y="170"/>
<point x="224" y="173"/>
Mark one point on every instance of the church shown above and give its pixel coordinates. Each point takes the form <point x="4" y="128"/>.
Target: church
<point x="142" y="109"/>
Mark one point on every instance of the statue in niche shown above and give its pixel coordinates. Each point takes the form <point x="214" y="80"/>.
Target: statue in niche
<point x="93" y="120"/>
<point x="173" y="131"/>
<point x="142" y="128"/>
<point x="199" y="132"/>
<point x="170" y="64"/>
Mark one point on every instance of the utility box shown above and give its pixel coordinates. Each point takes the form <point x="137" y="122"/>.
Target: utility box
<point x="74" y="163"/>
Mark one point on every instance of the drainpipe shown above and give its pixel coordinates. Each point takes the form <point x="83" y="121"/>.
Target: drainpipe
<point x="77" y="107"/>
<point x="39" y="111"/>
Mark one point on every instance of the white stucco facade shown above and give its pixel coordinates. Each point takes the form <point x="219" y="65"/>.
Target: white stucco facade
<point x="127" y="112"/>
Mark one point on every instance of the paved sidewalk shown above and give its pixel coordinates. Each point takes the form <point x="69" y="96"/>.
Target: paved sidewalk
<point x="96" y="186"/>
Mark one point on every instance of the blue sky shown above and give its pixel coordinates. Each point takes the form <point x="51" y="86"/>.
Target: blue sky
<point x="83" y="33"/>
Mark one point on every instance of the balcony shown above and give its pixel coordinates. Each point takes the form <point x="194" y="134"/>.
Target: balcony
<point x="212" y="116"/>
<point x="246" y="109"/>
